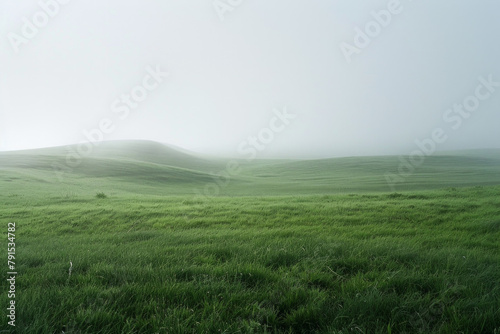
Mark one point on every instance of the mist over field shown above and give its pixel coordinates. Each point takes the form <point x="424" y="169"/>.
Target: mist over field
<point x="362" y="78"/>
<point x="232" y="166"/>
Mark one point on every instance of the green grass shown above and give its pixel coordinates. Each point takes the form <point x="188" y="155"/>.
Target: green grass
<point x="153" y="169"/>
<point x="101" y="195"/>
<point x="415" y="262"/>
<point x="149" y="257"/>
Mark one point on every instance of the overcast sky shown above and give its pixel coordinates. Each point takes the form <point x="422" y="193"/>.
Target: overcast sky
<point x="233" y="67"/>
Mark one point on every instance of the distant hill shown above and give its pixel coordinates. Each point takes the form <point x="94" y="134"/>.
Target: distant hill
<point x="138" y="150"/>
<point x="148" y="167"/>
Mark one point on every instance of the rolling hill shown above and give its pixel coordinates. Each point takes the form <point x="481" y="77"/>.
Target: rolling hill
<point x="311" y="246"/>
<point x="146" y="167"/>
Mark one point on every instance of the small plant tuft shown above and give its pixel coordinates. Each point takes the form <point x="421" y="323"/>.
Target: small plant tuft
<point x="101" y="195"/>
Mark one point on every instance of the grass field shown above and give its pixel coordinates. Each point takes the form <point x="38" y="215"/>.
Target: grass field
<point x="288" y="246"/>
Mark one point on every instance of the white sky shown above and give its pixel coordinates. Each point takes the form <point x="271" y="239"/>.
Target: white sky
<point x="226" y="77"/>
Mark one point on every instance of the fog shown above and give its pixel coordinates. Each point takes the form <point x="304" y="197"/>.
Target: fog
<point x="285" y="78"/>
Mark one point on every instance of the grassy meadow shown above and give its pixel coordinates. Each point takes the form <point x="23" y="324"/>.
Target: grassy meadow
<point x="286" y="247"/>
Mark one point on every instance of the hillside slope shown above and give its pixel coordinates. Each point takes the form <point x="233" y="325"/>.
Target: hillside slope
<point x="145" y="167"/>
